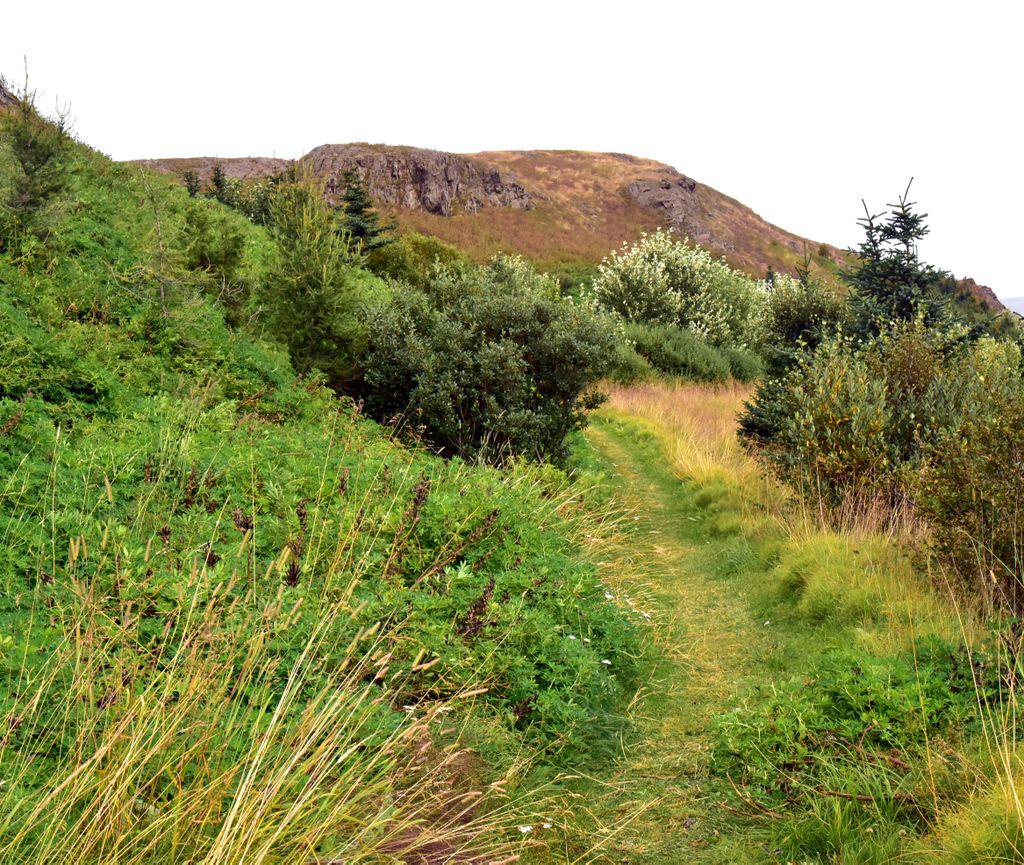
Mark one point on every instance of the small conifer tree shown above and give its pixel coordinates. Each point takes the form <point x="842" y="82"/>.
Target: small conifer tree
<point x="192" y="182"/>
<point x="360" y="219"/>
<point x="890" y="283"/>
<point x="39" y="148"/>
<point x="222" y="189"/>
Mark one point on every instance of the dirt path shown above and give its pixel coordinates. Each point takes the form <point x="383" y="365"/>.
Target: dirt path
<point x="708" y="642"/>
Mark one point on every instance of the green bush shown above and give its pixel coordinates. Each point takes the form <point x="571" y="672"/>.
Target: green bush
<point x="411" y="259"/>
<point x="824" y="426"/>
<point x="744" y="365"/>
<point x="972" y="485"/>
<point x="677" y="352"/>
<point x="661" y="280"/>
<point x="213" y="244"/>
<point x="852" y="417"/>
<point x="627" y="366"/>
<point x="488" y="362"/>
<point x="852" y="756"/>
<point x="797" y="315"/>
<point x="315" y="298"/>
<point x="36" y="151"/>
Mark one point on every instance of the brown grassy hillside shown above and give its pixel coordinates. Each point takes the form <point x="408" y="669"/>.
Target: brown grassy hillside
<point x="613" y="197"/>
<point x="557" y="207"/>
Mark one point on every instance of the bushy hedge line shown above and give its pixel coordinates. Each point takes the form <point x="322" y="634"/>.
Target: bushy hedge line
<point x="488" y="362"/>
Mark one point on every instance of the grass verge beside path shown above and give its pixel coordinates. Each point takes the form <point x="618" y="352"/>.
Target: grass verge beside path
<point x="744" y="597"/>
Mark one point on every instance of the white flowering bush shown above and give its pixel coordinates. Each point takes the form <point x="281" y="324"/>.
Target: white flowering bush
<point x="663" y="280"/>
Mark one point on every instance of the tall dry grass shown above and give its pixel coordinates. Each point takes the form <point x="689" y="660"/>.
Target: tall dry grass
<point x="207" y="750"/>
<point x="698" y="424"/>
<point x="869" y="555"/>
<point x="858" y="560"/>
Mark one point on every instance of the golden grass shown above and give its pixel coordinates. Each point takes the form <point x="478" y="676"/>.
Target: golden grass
<point x="546" y="235"/>
<point x="698" y="423"/>
<point x="861" y="563"/>
<point x="862" y="568"/>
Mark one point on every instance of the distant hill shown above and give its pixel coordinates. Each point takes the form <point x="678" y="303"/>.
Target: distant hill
<point x="559" y="208"/>
<point x="556" y="207"/>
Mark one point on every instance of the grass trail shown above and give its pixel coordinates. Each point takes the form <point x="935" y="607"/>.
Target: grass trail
<point x="751" y="598"/>
<point x="714" y="541"/>
<point x="707" y="641"/>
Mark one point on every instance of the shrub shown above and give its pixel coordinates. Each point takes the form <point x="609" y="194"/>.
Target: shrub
<point x="678" y="352"/>
<point x="825" y="431"/>
<point x="491" y="362"/>
<point x="38" y="150"/>
<point x="661" y="280"/>
<point x="627" y="366"/>
<point x="972" y="487"/>
<point x="411" y="258"/>
<point x="214" y="246"/>
<point x="744" y="364"/>
<point x="797" y="315"/>
<point x="315" y="297"/>
<point x="850" y="752"/>
<point x="779" y="743"/>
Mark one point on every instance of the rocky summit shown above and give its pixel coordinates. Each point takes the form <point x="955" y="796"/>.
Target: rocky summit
<point x="554" y="206"/>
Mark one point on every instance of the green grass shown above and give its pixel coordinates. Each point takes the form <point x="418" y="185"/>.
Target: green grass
<point x="240" y="622"/>
<point x="797" y="709"/>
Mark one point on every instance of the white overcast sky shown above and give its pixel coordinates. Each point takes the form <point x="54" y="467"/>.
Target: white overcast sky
<point x="799" y="110"/>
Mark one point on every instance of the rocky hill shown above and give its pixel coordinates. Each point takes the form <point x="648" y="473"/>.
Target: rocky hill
<point x="556" y="207"/>
<point x="560" y="208"/>
<point x="982" y="294"/>
<point x="7" y="98"/>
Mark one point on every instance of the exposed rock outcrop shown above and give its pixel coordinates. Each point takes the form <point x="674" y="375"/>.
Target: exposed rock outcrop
<point x="7" y="98"/>
<point x="981" y="293"/>
<point x="674" y="195"/>
<point x="414" y="179"/>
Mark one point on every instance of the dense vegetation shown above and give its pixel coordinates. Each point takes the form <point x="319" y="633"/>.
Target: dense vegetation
<point x="238" y="621"/>
<point x="290" y="567"/>
<point x="901" y="396"/>
<point x="895" y="409"/>
<point x="688" y="315"/>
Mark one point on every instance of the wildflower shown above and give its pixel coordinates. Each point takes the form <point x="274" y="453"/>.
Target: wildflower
<point x="547" y="825"/>
<point x="606" y="662"/>
<point x="608" y="596"/>
<point x="586" y="640"/>
<point x="572" y="636"/>
<point x="526" y="829"/>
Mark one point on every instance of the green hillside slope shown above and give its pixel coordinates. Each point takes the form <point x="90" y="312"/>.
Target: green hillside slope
<point x="238" y="622"/>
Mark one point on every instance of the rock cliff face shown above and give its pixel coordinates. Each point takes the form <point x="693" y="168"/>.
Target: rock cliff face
<point x="674" y="195"/>
<point x="981" y="293"/>
<point x="6" y="97"/>
<point x="409" y="178"/>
